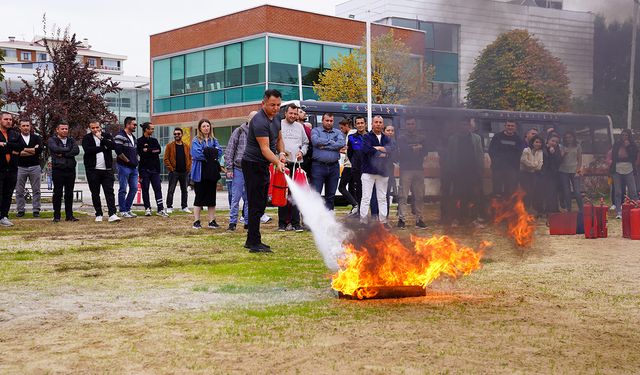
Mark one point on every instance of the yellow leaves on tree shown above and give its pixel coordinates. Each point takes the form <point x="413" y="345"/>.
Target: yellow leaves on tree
<point x="397" y="76"/>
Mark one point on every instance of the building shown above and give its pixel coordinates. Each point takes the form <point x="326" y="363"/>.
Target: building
<point x="22" y="58"/>
<point x="219" y="69"/>
<point x="458" y="30"/>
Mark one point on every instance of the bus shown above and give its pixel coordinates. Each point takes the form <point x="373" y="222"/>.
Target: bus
<point x="593" y="132"/>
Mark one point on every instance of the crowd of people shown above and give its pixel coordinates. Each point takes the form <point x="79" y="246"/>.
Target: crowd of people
<point x="360" y="164"/>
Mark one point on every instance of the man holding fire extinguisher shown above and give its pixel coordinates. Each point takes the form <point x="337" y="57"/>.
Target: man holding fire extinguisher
<point x="296" y="144"/>
<point x="264" y="146"/>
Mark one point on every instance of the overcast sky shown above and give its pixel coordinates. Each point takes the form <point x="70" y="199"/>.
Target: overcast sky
<point x="123" y="27"/>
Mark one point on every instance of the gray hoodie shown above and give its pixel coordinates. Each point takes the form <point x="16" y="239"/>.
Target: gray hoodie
<point x="295" y="139"/>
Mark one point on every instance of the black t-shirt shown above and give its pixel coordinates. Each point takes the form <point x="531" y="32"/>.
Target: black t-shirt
<point x="181" y="164"/>
<point x="261" y="126"/>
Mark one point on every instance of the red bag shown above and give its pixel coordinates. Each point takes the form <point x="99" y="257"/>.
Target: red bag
<point x="563" y="223"/>
<point x="300" y="177"/>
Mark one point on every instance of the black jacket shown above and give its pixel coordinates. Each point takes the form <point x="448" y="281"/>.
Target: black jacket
<point x="150" y="159"/>
<point x="32" y="160"/>
<point x="107" y="145"/>
<point x="63" y="157"/>
<point x="12" y="145"/>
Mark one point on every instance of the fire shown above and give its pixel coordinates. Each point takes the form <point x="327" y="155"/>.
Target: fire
<point x="383" y="260"/>
<point x="520" y="224"/>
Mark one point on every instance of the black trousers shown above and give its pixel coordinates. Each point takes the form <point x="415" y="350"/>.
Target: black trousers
<point x="256" y="183"/>
<point x="347" y="180"/>
<point x="8" y="181"/>
<point x="151" y="178"/>
<point x="102" y="178"/>
<point x="505" y="181"/>
<point x="63" y="180"/>
<point x="289" y="213"/>
<point x="174" y="179"/>
<point x="356" y="185"/>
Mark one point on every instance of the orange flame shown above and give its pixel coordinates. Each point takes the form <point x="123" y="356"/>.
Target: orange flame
<point x="384" y="261"/>
<point x="520" y="224"/>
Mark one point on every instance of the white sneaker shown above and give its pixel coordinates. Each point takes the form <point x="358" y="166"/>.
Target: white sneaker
<point x="98" y="218"/>
<point x="265" y="218"/>
<point x="147" y="212"/>
<point x="169" y="210"/>
<point x="5" y="222"/>
<point x="131" y="214"/>
<point x="612" y="208"/>
<point x="128" y="215"/>
<point x="187" y="210"/>
<point x="113" y="218"/>
<point x="162" y="213"/>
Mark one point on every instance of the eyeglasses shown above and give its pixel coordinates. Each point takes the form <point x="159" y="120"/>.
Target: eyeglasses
<point x="175" y="134"/>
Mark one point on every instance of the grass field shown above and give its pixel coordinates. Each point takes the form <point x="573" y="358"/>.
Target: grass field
<point x="151" y="295"/>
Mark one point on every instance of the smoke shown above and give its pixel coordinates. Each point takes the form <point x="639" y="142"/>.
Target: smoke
<point x="328" y="233"/>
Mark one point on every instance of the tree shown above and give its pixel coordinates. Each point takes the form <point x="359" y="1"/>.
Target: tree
<point x="396" y="76"/>
<point x="517" y="73"/>
<point x="70" y="91"/>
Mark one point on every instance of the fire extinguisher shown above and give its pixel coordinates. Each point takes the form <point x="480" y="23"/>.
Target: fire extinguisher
<point x="626" y="218"/>
<point x="634" y="223"/>
<point x="590" y="221"/>
<point x="139" y="193"/>
<point x="279" y="197"/>
<point x="601" y="212"/>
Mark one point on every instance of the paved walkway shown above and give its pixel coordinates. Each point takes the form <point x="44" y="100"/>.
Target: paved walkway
<point x="86" y="205"/>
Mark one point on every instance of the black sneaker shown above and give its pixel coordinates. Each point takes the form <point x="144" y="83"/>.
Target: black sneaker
<point x="298" y="228"/>
<point x="56" y="219"/>
<point x="386" y="226"/>
<point x="282" y="228"/>
<point x="401" y="224"/>
<point x="36" y="213"/>
<point x="72" y="218"/>
<point x="246" y="226"/>
<point x="197" y="225"/>
<point x="20" y="214"/>
<point x="232" y="226"/>
<point x="421" y="225"/>
<point x="213" y="225"/>
<point x="261" y="244"/>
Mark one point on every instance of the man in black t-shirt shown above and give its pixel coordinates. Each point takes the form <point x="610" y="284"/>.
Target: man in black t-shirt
<point x="177" y="159"/>
<point x="264" y="146"/>
<point x="505" y="150"/>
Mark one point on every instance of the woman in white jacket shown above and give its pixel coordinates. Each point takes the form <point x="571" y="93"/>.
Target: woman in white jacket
<point x="531" y="173"/>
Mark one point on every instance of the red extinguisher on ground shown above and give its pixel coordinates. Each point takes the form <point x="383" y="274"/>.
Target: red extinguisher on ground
<point x="590" y="220"/>
<point x="279" y="196"/>
<point x="601" y="212"/>
<point x="634" y="223"/>
<point x="626" y="217"/>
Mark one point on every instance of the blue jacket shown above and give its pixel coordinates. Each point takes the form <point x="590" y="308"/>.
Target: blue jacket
<point x="374" y="161"/>
<point x="125" y="147"/>
<point x="354" y="151"/>
<point x="198" y="157"/>
<point x="326" y="144"/>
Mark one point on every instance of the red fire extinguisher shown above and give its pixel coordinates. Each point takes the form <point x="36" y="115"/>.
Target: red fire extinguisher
<point x="626" y="218"/>
<point x="601" y="212"/>
<point x="279" y="197"/>
<point x="300" y="176"/>
<point x="590" y="221"/>
<point x="634" y="223"/>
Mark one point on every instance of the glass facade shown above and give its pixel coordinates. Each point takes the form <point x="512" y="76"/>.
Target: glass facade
<point x="237" y="73"/>
<point x="441" y="51"/>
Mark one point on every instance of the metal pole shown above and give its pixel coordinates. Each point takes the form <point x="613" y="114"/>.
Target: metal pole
<point x="300" y="81"/>
<point x="369" y="101"/>
<point x="632" y="70"/>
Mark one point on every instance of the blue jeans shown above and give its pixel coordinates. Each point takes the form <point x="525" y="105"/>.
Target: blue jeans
<point x="627" y="180"/>
<point x="569" y="180"/>
<point x="326" y="175"/>
<point x="127" y="177"/>
<point x="237" y="192"/>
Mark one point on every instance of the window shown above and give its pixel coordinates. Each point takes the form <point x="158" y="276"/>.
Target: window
<point x="311" y="61"/>
<point x="91" y="62"/>
<point x="194" y="101"/>
<point x="161" y="78"/>
<point x="194" y="66"/>
<point x="162" y="105"/>
<point x="214" y="98"/>
<point x="25" y="56"/>
<point x="125" y="102"/>
<point x="445" y="37"/>
<point x="445" y="64"/>
<point x="111" y="101"/>
<point x="252" y="93"/>
<point x="283" y="60"/>
<point x="111" y="64"/>
<point x="233" y="65"/>
<point x="403" y="22"/>
<point x="232" y="96"/>
<point x="214" y="68"/>
<point x="288" y="92"/>
<point x="10" y="53"/>
<point x="42" y="57"/>
<point x="253" y="60"/>
<point x="332" y="52"/>
<point x="177" y="75"/>
<point x="427" y="27"/>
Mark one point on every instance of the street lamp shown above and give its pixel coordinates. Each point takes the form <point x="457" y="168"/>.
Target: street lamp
<point x="632" y="70"/>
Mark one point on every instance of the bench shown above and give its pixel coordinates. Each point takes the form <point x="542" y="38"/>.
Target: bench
<point x="48" y="194"/>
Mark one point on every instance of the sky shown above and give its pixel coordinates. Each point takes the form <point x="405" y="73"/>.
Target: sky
<point x="123" y="27"/>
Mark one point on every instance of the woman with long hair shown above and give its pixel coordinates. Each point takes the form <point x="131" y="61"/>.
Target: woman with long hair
<point x="205" y="172"/>
<point x="531" y="163"/>
<point x="623" y="157"/>
<point x="571" y="170"/>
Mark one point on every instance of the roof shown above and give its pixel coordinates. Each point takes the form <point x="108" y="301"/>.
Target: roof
<point x="39" y="47"/>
